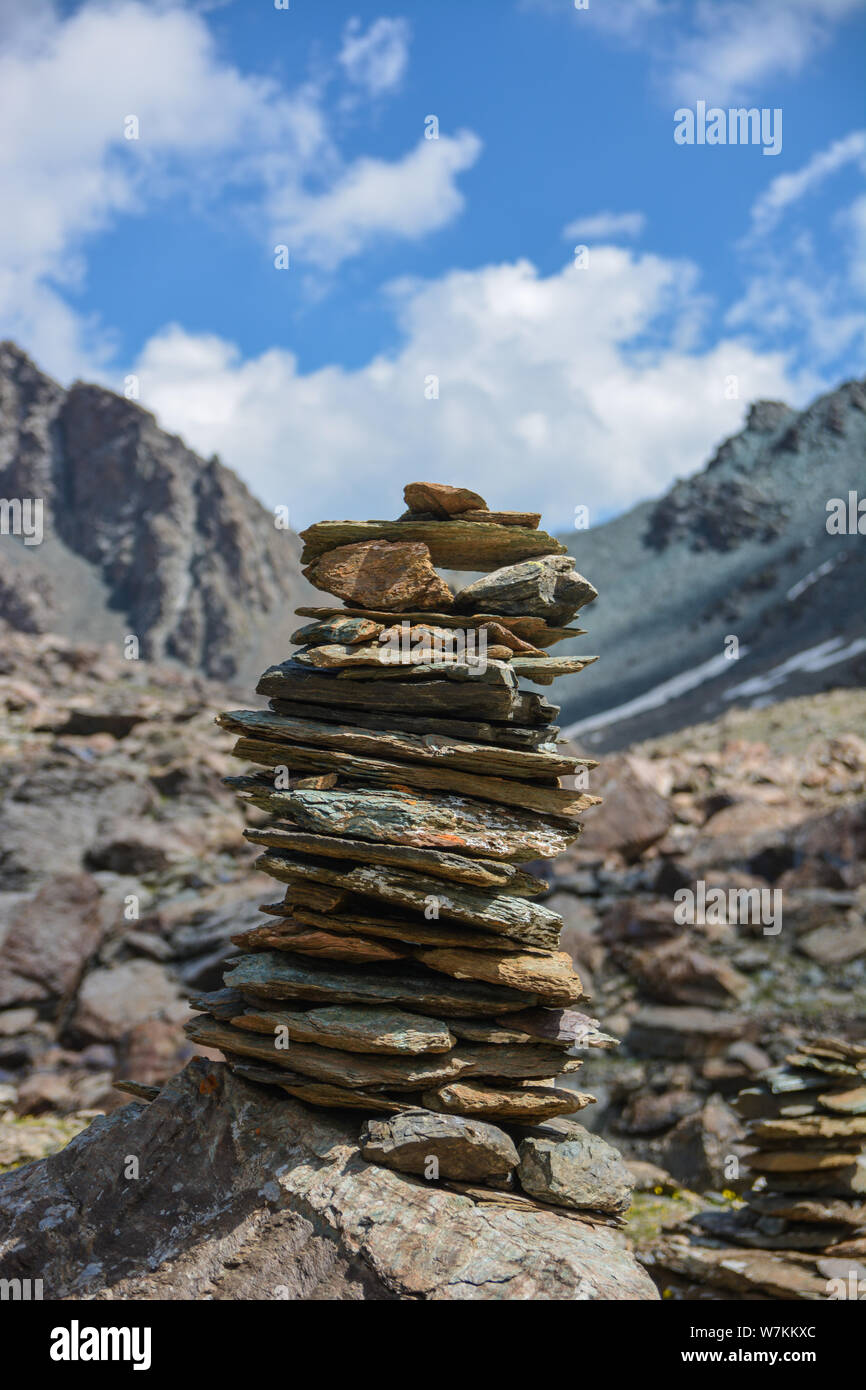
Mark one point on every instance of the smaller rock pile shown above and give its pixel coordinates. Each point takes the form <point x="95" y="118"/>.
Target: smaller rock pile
<point x="806" y="1125"/>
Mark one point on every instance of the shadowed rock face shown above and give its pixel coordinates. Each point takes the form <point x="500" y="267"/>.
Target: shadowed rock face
<point x="244" y="1195"/>
<point x="141" y="535"/>
<point x="741" y="548"/>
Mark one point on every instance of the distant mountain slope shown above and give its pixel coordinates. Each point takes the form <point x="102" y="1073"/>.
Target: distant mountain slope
<point x="141" y="535"/>
<point x="741" y="550"/>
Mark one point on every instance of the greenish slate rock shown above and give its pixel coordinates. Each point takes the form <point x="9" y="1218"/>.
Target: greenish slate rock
<point x="463" y="1149"/>
<point x="548" y="588"/>
<point x="564" y="1164"/>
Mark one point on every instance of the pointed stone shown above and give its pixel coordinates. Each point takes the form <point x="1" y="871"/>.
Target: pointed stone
<point x="548" y="588"/>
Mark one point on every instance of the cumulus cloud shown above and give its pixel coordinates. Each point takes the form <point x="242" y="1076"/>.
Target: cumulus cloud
<point x="376" y="58"/>
<point x="607" y="226"/>
<point x="716" y="50"/>
<point x="547" y="377"/>
<point x="405" y="198"/>
<point x="68" y="85"/>
<point x="794" y="289"/>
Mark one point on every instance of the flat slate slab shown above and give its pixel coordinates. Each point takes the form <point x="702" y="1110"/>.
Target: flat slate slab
<point x="352" y="1029"/>
<point x="384" y="816"/>
<point x="476" y="873"/>
<point x="427" y="748"/>
<point x="453" y="545"/>
<point x="272" y="975"/>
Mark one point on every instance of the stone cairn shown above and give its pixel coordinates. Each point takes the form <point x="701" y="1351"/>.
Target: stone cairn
<point x="408" y="971"/>
<point x="806" y="1127"/>
<point x="801" y="1232"/>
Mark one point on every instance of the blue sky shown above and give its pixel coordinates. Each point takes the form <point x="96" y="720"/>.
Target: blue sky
<point x="713" y="275"/>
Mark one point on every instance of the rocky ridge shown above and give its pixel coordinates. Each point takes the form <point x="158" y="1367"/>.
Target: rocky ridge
<point x="743" y="548"/>
<point x="141" y="536"/>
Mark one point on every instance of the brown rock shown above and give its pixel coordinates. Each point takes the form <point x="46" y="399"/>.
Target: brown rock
<point x="551" y="977"/>
<point x="632" y="815"/>
<point x="528" y="519"/>
<point x="570" y="1167"/>
<point x="376" y="573"/>
<point x="676" y="973"/>
<point x="684" y="1033"/>
<point x="353" y="1029"/>
<point x="113" y="999"/>
<point x="49" y="938"/>
<point x="453" y="544"/>
<point x="524" y="1104"/>
<point x="442" y="500"/>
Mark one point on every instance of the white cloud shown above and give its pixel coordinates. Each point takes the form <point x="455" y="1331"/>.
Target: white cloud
<point x="540" y="378"/>
<point x="796" y="290"/>
<point x="604" y="226"/>
<point x="738" y="46"/>
<point x="406" y="198"/>
<point x="716" y="50"/>
<point x="376" y="59"/>
<point x="206" y="130"/>
<point x="787" y="189"/>
<point x="851" y="222"/>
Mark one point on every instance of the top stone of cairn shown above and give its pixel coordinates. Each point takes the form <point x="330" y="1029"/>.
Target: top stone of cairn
<point x="456" y="525"/>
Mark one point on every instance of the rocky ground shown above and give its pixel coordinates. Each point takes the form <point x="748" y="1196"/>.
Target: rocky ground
<point x="123" y="872"/>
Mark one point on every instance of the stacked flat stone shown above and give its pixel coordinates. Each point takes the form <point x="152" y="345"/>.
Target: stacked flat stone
<point x="408" y="971"/>
<point x="806" y="1122"/>
<point x="801" y="1233"/>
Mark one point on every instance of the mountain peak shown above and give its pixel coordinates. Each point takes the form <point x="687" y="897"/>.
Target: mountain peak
<point x="141" y="535"/>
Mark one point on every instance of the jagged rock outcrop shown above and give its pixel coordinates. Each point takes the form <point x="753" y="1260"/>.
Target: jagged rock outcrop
<point x="740" y="548"/>
<point x="237" y="1193"/>
<point x="141" y="535"/>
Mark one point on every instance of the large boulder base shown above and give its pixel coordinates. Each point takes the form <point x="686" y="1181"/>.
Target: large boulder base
<point x="246" y="1194"/>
